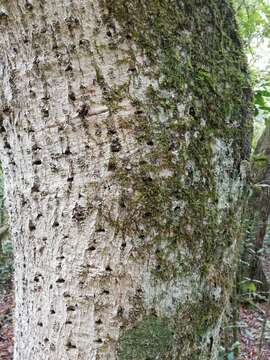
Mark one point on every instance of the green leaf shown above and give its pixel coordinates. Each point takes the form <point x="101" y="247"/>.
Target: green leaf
<point x="259" y="100"/>
<point x="249" y="287"/>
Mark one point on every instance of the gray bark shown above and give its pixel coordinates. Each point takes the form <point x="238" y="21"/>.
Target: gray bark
<point x="124" y="138"/>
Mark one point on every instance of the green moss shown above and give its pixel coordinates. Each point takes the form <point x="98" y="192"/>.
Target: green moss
<point x="150" y="339"/>
<point x="199" y="321"/>
<point x="193" y="52"/>
<point x="198" y="91"/>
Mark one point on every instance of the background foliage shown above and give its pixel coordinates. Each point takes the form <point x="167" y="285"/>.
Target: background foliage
<point x="253" y="19"/>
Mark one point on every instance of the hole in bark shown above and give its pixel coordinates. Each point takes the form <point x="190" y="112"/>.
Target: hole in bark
<point x="120" y="311"/>
<point x="67" y="151"/>
<point x="66" y="295"/>
<point x="40" y="324"/>
<point x="100" y="229"/>
<point x="32" y="94"/>
<point x="28" y="6"/>
<point x="83" y="111"/>
<point x="108" y="268"/>
<point x="31" y="225"/>
<point x="39" y="216"/>
<point x="139" y="112"/>
<point x="79" y="213"/>
<point x="72" y="22"/>
<point x="46" y="340"/>
<point x="52" y="347"/>
<point x="91" y="248"/>
<point x="147" y="179"/>
<point x="69" y="345"/>
<point x="24" y="202"/>
<point x="211" y="343"/>
<point x="71" y="308"/>
<point x="153" y="312"/>
<point x="98" y="322"/>
<point x="68" y="322"/>
<point x="112" y="131"/>
<point x="111" y="166"/>
<point x="55" y="224"/>
<point x="123" y="245"/>
<point x="60" y="258"/>
<point x="51" y="286"/>
<point x="68" y="68"/>
<point x="192" y="111"/>
<point x="35" y="147"/>
<point x="115" y="145"/>
<point x="2" y="129"/>
<point x="72" y="96"/>
<point x="84" y="42"/>
<point x="60" y="281"/>
<point x="35" y="188"/>
<point x="45" y="112"/>
<point x="105" y="292"/>
<point x="7" y="110"/>
<point x="52" y="311"/>
<point x="150" y="143"/>
<point x="70" y="179"/>
<point x="36" y="278"/>
<point x="122" y="203"/>
<point x="147" y="214"/>
<point x="131" y="69"/>
<point x="37" y="162"/>
<point x="99" y="341"/>
<point x="7" y="145"/>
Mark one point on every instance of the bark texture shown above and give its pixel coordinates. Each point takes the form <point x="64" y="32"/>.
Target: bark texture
<point x="259" y="211"/>
<point x="125" y="129"/>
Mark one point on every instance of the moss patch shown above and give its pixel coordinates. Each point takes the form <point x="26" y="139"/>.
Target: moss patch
<point x="151" y="339"/>
<point x="193" y="54"/>
<point x="189" y="55"/>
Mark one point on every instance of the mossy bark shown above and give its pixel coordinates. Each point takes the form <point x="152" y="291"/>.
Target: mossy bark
<point x="127" y="124"/>
<point x="258" y="214"/>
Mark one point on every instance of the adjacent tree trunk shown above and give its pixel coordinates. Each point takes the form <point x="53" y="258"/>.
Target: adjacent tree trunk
<point x="259" y="211"/>
<point x="124" y="138"/>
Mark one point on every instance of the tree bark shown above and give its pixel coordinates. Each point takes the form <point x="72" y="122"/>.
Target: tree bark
<point x="124" y="137"/>
<point x="259" y="211"/>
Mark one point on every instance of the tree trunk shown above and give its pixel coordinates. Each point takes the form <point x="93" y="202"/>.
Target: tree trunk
<point x="124" y="138"/>
<point x="259" y="211"/>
